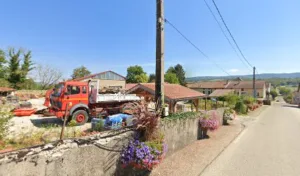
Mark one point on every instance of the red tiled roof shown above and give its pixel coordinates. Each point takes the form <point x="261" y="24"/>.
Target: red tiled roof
<point x="93" y="75"/>
<point x="245" y="85"/>
<point x="172" y="91"/>
<point x="129" y="86"/>
<point x="221" y="92"/>
<point x="6" y="89"/>
<point x="208" y="84"/>
<point x="227" y="85"/>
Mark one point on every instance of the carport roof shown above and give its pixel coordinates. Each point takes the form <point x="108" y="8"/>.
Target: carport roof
<point x="172" y="91"/>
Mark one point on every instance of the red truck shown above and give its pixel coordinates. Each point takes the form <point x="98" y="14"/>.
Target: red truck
<point x="84" y="100"/>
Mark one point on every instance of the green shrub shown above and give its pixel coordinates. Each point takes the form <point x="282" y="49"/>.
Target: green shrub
<point x="99" y="126"/>
<point x="274" y="94"/>
<point x="5" y="116"/>
<point x="232" y="99"/>
<point x="240" y="108"/>
<point x="183" y="115"/>
<point x="248" y="100"/>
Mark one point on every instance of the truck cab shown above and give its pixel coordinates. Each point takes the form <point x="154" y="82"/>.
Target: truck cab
<point x="73" y="94"/>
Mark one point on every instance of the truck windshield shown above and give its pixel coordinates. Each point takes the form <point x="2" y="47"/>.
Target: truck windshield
<point x="58" y="90"/>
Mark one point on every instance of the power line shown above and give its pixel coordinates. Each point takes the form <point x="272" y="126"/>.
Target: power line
<point x="220" y="26"/>
<point x="168" y="22"/>
<point x="231" y="34"/>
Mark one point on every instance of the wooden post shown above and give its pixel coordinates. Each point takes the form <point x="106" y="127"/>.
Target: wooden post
<point x="159" y="72"/>
<point x="64" y="124"/>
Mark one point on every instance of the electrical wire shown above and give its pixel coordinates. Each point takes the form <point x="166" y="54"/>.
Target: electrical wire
<point x="189" y="41"/>
<point x="230" y="43"/>
<point x="231" y="34"/>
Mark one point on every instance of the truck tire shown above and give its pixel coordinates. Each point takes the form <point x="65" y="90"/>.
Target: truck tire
<point x="80" y="116"/>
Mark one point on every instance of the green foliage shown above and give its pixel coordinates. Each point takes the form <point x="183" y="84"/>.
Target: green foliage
<point x="72" y="123"/>
<point x="274" y="93"/>
<point x="288" y="98"/>
<point x="182" y="115"/>
<point x="284" y="91"/>
<point x="232" y="99"/>
<point x="99" y="126"/>
<point x="5" y="116"/>
<point x="240" y="108"/>
<point x="171" y="78"/>
<point x="3" y="68"/>
<point x="142" y="78"/>
<point x="17" y="72"/>
<point x="80" y="72"/>
<point x="4" y="83"/>
<point x="28" y="84"/>
<point x="136" y="74"/>
<point x="248" y="99"/>
<point x="151" y="78"/>
<point x="180" y="74"/>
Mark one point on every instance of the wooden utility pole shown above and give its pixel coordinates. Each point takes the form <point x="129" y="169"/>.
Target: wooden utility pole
<point x="254" y="88"/>
<point x="159" y="73"/>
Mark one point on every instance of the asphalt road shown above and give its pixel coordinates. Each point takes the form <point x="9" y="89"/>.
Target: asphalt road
<point x="268" y="146"/>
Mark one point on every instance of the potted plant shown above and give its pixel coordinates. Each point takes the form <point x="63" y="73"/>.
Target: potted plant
<point x="143" y="155"/>
<point x="229" y="114"/>
<point x="208" y="122"/>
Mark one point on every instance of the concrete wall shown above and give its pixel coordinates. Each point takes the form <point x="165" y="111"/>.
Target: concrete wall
<point x="182" y="132"/>
<point x="179" y="133"/>
<point x="97" y="155"/>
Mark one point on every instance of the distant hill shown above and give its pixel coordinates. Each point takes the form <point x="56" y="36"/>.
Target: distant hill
<point x="245" y="77"/>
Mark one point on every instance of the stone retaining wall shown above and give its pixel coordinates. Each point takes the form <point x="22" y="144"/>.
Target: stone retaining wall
<point x="97" y="155"/>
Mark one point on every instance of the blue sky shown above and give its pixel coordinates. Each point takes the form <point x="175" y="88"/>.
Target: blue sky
<point x="112" y="35"/>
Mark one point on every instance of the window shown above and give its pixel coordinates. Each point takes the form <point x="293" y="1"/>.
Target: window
<point x="72" y="90"/>
<point x="84" y="89"/>
<point x="257" y="94"/>
<point x="242" y="89"/>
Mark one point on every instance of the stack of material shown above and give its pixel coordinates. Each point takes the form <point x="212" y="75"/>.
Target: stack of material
<point x="106" y="90"/>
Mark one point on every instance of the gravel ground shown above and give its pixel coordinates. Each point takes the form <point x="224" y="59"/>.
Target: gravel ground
<point x="36" y="123"/>
<point x="195" y="158"/>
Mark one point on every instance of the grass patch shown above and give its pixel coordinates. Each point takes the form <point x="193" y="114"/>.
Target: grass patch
<point x="182" y="115"/>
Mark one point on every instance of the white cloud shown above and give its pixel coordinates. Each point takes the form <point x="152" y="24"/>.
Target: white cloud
<point x="233" y="70"/>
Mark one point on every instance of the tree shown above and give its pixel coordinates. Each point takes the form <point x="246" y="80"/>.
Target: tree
<point x="274" y="94"/>
<point x="171" y="70"/>
<point x="171" y="78"/>
<point x="151" y="78"/>
<point x="47" y="76"/>
<point x="180" y="73"/>
<point x="284" y="91"/>
<point x="18" y="73"/>
<point x="136" y="74"/>
<point x="80" y="72"/>
<point x="27" y="65"/>
<point x="2" y="66"/>
<point x="14" y="66"/>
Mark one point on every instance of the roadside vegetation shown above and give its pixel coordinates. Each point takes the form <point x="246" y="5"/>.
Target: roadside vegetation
<point x="286" y="92"/>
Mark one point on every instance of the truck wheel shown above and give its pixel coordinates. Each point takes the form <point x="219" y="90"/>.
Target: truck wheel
<point x="80" y="116"/>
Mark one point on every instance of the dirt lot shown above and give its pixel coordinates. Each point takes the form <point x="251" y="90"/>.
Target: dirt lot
<point x="37" y="123"/>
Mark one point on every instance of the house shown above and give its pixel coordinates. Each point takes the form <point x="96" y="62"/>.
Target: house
<point x="107" y="79"/>
<point x="239" y="86"/>
<point x="5" y="91"/>
<point x="174" y="93"/>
